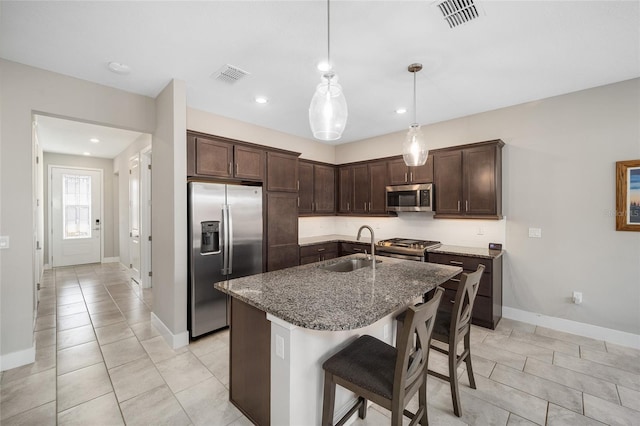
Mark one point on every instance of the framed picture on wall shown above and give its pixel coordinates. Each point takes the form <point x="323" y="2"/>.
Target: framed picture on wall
<point x="628" y="195"/>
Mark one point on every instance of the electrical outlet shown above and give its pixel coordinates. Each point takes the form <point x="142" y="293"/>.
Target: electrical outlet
<point x="577" y="297"/>
<point x="535" y="233"/>
<point x="4" y="242"/>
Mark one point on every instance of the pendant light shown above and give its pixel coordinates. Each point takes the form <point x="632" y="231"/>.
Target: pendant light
<point x="414" y="148"/>
<point x="328" y="110"/>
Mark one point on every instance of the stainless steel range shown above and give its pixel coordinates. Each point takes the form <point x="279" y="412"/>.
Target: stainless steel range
<point x="405" y="248"/>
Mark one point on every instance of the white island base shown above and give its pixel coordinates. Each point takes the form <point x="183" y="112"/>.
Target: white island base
<point x="297" y="377"/>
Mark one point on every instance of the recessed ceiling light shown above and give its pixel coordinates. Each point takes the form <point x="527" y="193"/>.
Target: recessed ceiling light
<point x="94" y="140"/>
<point x="86" y="153"/>
<point x="324" y="66"/>
<point x="401" y="110"/>
<point x="119" y="68"/>
<point x="261" y="100"/>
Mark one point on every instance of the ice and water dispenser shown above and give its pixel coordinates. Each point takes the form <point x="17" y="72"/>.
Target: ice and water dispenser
<point x="210" y="239"/>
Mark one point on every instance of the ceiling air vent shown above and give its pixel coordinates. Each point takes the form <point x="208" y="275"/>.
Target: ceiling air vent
<point x="229" y="74"/>
<point x="458" y="12"/>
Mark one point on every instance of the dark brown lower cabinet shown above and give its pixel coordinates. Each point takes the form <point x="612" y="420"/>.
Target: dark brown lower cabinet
<point x="318" y="252"/>
<point x="352" y="248"/>
<point x="250" y="362"/>
<point x="487" y="309"/>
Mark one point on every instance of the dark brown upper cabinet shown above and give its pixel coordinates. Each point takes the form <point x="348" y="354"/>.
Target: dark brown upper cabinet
<point x="282" y="172"/>
<point x="468" y="181"/>
<point x="401" y="174"/>
<point x="211" y="157"/>
<point x="317" y="189"/>
<point x="345" y="189"/>
<point x="362" y="188"/>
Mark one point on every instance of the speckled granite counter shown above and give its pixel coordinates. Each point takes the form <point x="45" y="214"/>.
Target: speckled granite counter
<point x="334" y="238"/>
<point x="314" y="298"/>
<point x="467" y="251"/>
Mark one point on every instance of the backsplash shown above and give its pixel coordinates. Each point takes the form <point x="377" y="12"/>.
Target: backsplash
<point x="462" y="232"/>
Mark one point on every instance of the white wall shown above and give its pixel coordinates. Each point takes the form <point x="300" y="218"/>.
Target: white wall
<point x="558" y="175"/>
<point x="24" y="91"/>
<point x="110" y="215"/>
<point x="121" y="173"/>
<point x="169" y="222"/>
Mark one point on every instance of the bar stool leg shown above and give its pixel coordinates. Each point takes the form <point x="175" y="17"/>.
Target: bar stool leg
<point x="328" y="399"/>
<point x="422" y="399"/>
<point x="362" y="411"/>
<point x="453" y="380"/>
<point x="467" y="349"/>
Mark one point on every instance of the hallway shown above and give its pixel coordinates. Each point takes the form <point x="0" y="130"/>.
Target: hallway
<point x="100" y="362"/>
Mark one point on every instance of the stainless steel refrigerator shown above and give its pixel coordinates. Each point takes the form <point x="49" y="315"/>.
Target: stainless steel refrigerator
<point x="225" y="242"/>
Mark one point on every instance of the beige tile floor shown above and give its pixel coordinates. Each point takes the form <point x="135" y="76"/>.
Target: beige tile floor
<point x="100" y="362"/>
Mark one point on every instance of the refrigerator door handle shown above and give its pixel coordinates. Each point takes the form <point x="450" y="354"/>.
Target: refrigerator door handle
<point x="225" y="242"/>
<point x="229" y="240"/>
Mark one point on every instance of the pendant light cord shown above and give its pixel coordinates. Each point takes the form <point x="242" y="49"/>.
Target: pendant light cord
<point x="415" y="108"/>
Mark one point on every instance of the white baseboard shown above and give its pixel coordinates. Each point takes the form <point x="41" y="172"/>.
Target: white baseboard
<point x="18" y="358"/>
<point x="574" y="327"/>
<point x="111" y="259"/>
<point x="174" y="340"/>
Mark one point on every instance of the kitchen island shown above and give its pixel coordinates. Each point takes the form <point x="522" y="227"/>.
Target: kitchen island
<point x="285" y="323"/>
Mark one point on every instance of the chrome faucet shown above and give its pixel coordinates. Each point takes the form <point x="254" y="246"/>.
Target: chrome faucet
<point x="373" y="244"/>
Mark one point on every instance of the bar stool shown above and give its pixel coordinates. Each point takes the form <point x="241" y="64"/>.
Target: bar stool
<point x="453" y="325"/>
<point x="378" y="372"/>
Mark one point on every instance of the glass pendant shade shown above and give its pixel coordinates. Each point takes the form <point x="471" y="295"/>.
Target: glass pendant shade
<point x="328" y="110"/>
<point x="414" y="148"/>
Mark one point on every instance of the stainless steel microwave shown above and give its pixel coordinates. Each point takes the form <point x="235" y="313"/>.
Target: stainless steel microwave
<point x="410" y="198"/>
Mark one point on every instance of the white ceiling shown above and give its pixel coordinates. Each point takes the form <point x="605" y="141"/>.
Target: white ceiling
<point x="517" y="51"/>
<point x="74" y="137"/>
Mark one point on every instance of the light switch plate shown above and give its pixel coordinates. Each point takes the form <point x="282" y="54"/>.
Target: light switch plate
<point x="535" y="233"/>
<point x="4" y="242"/>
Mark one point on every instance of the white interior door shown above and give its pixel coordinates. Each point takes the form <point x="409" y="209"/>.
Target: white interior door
<point x="134" y="217"/>
<point x="76" y="209"/>
<point x="145" y="217"/>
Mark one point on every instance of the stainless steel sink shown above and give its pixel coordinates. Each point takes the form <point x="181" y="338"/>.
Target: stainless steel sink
<point x="349" y="265"/>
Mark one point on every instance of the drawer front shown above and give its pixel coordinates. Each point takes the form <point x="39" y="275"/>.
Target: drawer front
<point x="485" y="284"/>
<point x="315" y="249"/>
<point x="467" y="263"/>
<point x="351" y="248"/>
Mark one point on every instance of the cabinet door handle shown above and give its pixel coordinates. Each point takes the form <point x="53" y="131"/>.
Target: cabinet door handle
<point x="298" y="185"/>
<point x="455" y="262"/>
<point x="405" y="177"/>
<point x="365" y="206"/>
<point x="458" y="205"/>
<point x="466" y="205"/>
<point x="455" y="280"/>
<point x="298" y="201"/>
<point x="369" y="205"/>
<point x="230" y="165"/>
<point x="411" y="176"/>
<point x="321" y="249"/>
<point x="347" y="206"/>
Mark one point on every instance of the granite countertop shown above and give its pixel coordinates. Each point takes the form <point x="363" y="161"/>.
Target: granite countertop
<point x="467" y="251"/>
<point x="314" y="298"/>
<point x="335" y="238"/>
